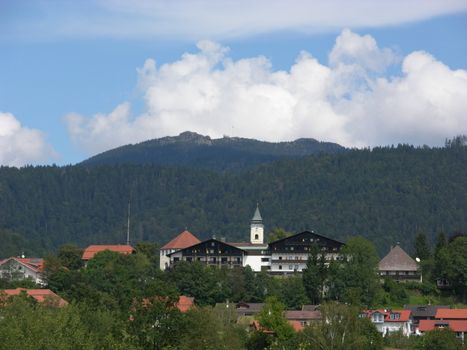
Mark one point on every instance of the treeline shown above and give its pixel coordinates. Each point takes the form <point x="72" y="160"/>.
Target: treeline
<point x="387" y="195"/>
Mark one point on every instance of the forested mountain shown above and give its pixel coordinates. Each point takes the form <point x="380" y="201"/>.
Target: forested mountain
<point x="386" y="194"/>
<point x="227" y="153"/>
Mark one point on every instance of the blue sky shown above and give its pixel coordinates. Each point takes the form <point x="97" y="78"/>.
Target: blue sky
<point x="77" y="78"/>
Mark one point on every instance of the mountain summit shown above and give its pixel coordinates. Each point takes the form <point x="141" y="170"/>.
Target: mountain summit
<point x="226" y="153"/>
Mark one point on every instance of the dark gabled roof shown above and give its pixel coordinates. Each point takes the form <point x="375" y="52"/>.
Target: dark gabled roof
<point x="302" y="315"/>
<point x="397" y="260"/>
<point x="424" y="310"/>
<point x="204" y="242"/>
<point x="305" y="232"/>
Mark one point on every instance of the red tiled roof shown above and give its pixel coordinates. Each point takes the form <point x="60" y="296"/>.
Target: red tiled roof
<point x="455" y="325"/>
<point x="451" y="314"/>
<point x="183" y="240"/>
<point x="185" y="303"/>
<point x="92" y="250"/>
<point x="297" y="326"/>
<point x="41" y="295"/>
<point x="36" y="264"/>
<point x="404" y="314"/>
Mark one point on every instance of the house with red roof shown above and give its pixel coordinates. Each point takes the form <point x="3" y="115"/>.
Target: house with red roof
<point x="451" y="314"/>
<point x="183" y="240"/>
<point x="43" y="296"/>
<point x="388" y="321"/>
<point x="22" y="268"/>
<point x="459" y="327"/>
<point x="92" y="250"/>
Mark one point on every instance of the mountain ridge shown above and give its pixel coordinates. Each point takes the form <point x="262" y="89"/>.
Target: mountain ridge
<point x="222" y="154"/>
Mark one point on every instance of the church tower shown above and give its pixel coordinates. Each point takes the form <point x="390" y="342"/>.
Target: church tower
<point x="257" y="228"/>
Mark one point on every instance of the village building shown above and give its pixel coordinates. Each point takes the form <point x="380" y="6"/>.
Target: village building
<point x="459" y="327"/>
<point x="389" y="321"/>
<point x="43" y="296"/>
<point x="284" y="256"/>
<point x="305" y="318"/>
<point x="399" y="266"/>
<point x="454" y="319"/>
<point x="92" y="250"/>
<point x="422" y="312"/>
<point x="22" y="268"/>
<point x="290" y="254"/>
<point x="183" y="240"/>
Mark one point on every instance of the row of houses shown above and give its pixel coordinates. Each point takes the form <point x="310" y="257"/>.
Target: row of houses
<point x="283" y="256"/>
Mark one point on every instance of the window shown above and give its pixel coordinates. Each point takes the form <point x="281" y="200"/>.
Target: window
<point x="256" y="236"/>
<point x="395" y="316"/>
<point x="190" y="259"/>
<point x="211" y="251"/>
<point x="280" y="258"/>
<point x="212" y="244"/>
<point x="378" y="318"/>
<point x="290" y="267"/>
<point x="265" y="259"/>
<point x="238" y="261"/>
<point x="296" y="267"/>
<point x="280" y="267"/>
<point x="176" y="259"/>
<point x="291" y="248"/>
<point x="224" y="260"/>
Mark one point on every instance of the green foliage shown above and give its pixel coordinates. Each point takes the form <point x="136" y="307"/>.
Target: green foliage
<point x="341" y="329"/>
<point x="438" y="339"/>
<point x="278" y="233"/>
<point x="315" y="275"/>
<point x="69" y="256"/>
<point x="293" y="292"/>
<point x="452" y="265"/>
<point x="386" y="195"/>
<point x="205" y="330"/>
<point x="398" y="340"/>
<point x="354" y="279"/>
<point x="30" y="327"/>
<point x="272" y="318"/>
<point x="422" y="248"/>
<point x="394" y="293"/>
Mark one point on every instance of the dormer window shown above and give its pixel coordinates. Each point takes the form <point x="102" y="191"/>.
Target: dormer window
<point x="395" y="316"/>
<point x="378" y="318"/>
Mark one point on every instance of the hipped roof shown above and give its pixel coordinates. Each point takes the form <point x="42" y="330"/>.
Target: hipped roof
<point x="183" y="240"/>
<point x="397" y="260"/>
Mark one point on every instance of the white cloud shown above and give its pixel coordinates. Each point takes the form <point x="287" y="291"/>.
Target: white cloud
<point x="220" y="19"/>
<point x="20" y="145"/>
<point x="349" y="101"/>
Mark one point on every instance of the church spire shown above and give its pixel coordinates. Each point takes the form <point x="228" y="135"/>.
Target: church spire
<point x="257" y="227"/>
<point x="257" y="216"/>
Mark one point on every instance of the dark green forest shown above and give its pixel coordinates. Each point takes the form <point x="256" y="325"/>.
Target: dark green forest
<point x="386" y="194"/>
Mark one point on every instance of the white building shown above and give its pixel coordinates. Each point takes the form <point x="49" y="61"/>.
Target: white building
<point x="287" y="255"/>
<point x="389" y="321"/>
<point x="22" y="268"/>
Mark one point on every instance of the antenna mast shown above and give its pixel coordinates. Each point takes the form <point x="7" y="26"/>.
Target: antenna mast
<point x="128" y="226"/>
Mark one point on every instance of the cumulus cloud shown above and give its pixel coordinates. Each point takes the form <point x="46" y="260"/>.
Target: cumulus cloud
<point x="350" y="100"/>
<point x="220" y="19"/>
<point x="20" y="145"/>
